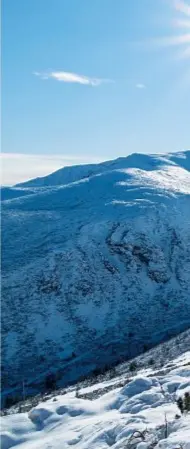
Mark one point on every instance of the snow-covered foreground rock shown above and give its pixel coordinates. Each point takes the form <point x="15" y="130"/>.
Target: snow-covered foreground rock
<point x="96" y="267"/>
<point x="140" y="414"/>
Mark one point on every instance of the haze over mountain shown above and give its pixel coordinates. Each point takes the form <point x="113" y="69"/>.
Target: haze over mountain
<point x="96" y="265"/>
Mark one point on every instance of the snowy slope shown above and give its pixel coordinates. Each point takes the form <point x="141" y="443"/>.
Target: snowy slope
<point x="96" y="266"/>
<point x="142" y="161"/>
<point x="131" y="410"/>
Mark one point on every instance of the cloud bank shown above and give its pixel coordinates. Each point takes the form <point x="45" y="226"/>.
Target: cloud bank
<point x="18" y="167"/>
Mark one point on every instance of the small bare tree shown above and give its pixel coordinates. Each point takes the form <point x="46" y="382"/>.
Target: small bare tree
<point x="77" y="392"/>
<point x="165" y="426"/>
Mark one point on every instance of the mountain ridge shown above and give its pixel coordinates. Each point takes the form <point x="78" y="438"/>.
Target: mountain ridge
<point x="87" y="169"/>
<point x="98" y="267"/>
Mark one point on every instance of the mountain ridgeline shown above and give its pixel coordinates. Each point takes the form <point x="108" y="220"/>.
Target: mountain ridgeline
<point x="95" y="266"/>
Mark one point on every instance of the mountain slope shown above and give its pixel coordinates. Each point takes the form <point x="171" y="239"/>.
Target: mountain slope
<point x="94" y="269"/>
<point x="120" y="408"/>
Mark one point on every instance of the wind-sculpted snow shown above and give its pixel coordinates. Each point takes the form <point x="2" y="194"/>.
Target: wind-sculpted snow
<point x="96" y="266"/>
<point x="119" y="409"/>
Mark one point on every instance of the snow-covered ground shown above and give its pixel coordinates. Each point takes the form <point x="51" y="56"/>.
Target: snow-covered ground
<point x="96" y="267"/>
<point x="141" y="413"/>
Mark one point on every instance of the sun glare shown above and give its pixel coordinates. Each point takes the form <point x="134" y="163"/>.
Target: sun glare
<point x="183" y="7"/>
<point x="183" y="24"/>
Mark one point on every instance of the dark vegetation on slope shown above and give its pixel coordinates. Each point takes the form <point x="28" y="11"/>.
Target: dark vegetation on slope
<point x="154" y="358"/>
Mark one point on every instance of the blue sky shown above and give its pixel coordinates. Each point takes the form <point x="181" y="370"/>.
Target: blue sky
<point x="89" y="80"/>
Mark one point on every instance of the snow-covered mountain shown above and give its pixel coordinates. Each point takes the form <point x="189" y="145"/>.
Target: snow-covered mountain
<point x="133" y="406"/>
<point x="96" y="266"/>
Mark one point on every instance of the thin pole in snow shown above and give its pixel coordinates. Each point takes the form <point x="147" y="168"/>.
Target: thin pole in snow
<point x="23" y="390"/>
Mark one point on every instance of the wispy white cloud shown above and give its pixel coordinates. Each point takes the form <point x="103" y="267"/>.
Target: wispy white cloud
<point x="68" y="77"/>
<point x="168" y="41"/>
<point x="18" y="167"/>
<point x="140" y="86"/>
<point x="181" y="23"/>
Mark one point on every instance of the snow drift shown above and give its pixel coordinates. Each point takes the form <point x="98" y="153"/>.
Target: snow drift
<point x="119" y="409"/>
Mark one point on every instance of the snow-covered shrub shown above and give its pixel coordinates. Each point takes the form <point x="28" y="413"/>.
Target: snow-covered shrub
<point x="50" y="381"/>
<point x="133" y="366"/>
<point x="183" y="403"/>
<point x="186" y="402"/>
<point x="151" y="362"/>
